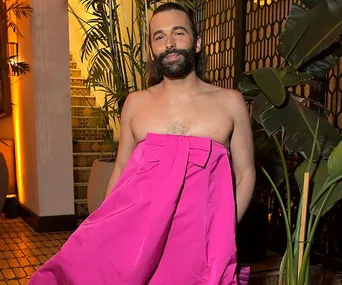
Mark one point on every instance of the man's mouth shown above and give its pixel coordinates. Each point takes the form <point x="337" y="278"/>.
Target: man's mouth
<point x="172" y="56"/>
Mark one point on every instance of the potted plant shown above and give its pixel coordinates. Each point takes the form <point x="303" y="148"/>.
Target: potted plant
<point x="310" y="46"/>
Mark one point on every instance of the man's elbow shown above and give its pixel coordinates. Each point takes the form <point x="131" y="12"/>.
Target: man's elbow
<point x="246" y="177"/>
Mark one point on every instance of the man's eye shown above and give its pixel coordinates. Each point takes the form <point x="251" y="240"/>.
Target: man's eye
<point x="179" y="33"/>
<point x="159" y="38"/>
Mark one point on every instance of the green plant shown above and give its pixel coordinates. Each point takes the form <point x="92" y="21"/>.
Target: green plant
<point x="117" y="54"/>
<point x="310" y="46"/>
<point x="7" y="12"/>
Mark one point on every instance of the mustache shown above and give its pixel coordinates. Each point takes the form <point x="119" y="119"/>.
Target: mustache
<point x="173" y="51"/>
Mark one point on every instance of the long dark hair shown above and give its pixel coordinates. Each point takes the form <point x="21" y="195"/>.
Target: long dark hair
<point x="154" y="75"/>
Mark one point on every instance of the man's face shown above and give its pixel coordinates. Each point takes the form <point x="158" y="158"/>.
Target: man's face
<point x="172" y="44"/>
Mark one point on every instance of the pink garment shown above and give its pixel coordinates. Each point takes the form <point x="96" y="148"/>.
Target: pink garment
<point x="169" y="221"/>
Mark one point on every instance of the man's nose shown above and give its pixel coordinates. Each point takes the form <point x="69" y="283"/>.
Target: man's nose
<point x="170" y="43"/>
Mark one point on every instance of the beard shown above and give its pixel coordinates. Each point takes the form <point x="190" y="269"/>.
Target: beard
<point x="178" y="68"/>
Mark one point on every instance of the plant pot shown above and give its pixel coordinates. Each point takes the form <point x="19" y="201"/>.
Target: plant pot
<point x="100" y="173"/>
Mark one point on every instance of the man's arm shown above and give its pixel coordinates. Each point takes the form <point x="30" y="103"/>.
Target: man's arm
<point x="242" y="152"/>
<point x="126" y="144"/>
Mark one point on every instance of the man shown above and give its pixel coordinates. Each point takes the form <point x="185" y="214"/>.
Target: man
<point x="182" y="103"/>
<point x="169" y="214"/>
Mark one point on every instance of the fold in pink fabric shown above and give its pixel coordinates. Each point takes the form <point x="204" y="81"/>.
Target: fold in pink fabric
<point x="170" y="220"/>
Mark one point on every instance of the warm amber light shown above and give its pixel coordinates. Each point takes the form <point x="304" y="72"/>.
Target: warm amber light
<point x="18" y="139"/>
<point x="263" y="2"/>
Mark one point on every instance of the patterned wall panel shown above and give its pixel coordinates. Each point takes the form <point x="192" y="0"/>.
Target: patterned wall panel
<point x="215" y="21"/>
<point x="333" y="96"/>
<point x="264" y="24"/>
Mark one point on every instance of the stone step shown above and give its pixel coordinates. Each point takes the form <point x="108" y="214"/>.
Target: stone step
<point x="81" y="208"/>
<point x="75" y="72"/>
<point x="77" y="81"/>
<point x="83" y="101"/>
<point x="79" y="91"/>
<point x="86" y="122"/>
<point x="84" y="146"/>
<point x="73" y="64"/>
<point x="80" y="190"/>
<point x="87" y="159"/>
<point x="89" y="134"/>
<point x="81" y="174"/>
<point x="83" y="111"/>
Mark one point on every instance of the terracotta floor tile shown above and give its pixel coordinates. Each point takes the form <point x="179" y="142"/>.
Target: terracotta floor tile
<point x="42" y="258"/>
<point x="23" y="281"/>
<point x="13" y="246"/>
<point x="4" y="247"/>
<point x="3" y="264"/>
<point x="33" y="260"/>
<point x="8" y="273"/>
<point x="13" y="282"/>
<point x="19" y="272"/>
<point x="13" y="262"/>
<point x="29" y="270"/>
<point x="8" y="254"/>
<point x="23" y="261"/>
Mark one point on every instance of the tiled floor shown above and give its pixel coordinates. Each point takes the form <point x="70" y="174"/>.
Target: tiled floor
<point x="22" y="250"/>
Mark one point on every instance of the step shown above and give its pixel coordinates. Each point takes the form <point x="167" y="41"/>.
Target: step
<point x="80" y="190"/>
<point x="81" y="174"/>
<point x="84" y="146"/>
<point x="79" y="91"/>
<point x="77" y="81"/>
<point x="72" y="64"/>
<point x="87" y="122"/>
<point x="81" y="208"/>
<point x="83" y="101"/>
<point x="89" y="134"/>
<point x="83" y="111"/>
<point x="75" y="72"/>
<point x="87" y="159"/>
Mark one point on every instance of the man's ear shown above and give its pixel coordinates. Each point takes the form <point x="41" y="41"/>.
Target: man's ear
<point x="151" y="54"/>
<point x="198" y="44"/>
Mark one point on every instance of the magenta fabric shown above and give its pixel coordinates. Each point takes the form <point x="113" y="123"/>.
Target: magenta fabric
<point x="169" y="221"/>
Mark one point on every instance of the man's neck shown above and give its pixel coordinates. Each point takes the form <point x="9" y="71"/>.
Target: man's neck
<point x="184" y="86"/>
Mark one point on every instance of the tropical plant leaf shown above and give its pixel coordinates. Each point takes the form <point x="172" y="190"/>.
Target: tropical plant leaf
<point x="317" y="30"/>
<point x="311" y="3"/>
<point x="289" y="76"/>
<point x="335" y="162"/>
<point x="248" y="87"/>
<point x="299" y="122"/>
<point x="319" y="177"/>
<point x="270" y="81"/>
<point x="267" y="155"/>
<point x="321" y="66"/>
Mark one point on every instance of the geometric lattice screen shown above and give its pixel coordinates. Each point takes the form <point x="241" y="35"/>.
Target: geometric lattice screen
<point x="216" y="23"/>
<point x="333" y="96"/>
<point x="240" y="35"/>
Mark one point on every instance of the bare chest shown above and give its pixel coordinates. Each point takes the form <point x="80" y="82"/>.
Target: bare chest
<point x="198" y="119"/>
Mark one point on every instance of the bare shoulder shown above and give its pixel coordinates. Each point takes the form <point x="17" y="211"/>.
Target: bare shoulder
<point x="134" y="100"/>
<point x="135" y="97"/>
<point x="232" y="99"/>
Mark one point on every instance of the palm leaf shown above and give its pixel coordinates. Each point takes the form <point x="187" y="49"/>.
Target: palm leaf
<point x="299" y="121"/>
<point x="315" y="36"/>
